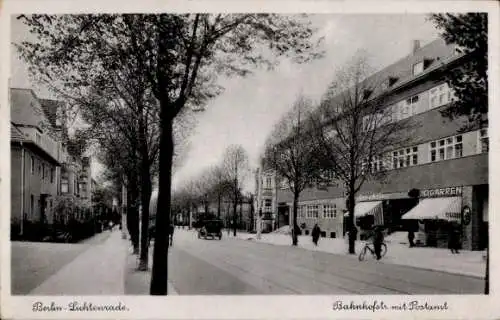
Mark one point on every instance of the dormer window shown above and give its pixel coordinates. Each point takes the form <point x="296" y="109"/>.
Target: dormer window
<point x="367" y="93"/>
<point x="418" y="68"/>
<point x="392" y="81"/>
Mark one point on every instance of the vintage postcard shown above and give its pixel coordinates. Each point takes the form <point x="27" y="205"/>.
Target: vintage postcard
<point x="249" y="159"/>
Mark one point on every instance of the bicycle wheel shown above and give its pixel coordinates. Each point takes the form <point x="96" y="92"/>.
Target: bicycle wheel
<point x="383" y="250"/>
<point x="362" y="254"/>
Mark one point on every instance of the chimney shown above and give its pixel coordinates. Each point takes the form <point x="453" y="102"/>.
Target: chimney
<point x="416" y="46"/>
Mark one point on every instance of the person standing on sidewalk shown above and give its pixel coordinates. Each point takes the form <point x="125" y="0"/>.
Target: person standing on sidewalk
<point x="411" y="238"/>
<point x="454" y="238"/>
<point x="316" y="231"/>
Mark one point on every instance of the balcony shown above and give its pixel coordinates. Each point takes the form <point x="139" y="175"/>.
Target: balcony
<point x="44" y="142"/>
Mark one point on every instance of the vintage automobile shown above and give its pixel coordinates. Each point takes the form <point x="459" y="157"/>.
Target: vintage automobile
<point x="210" y="228"/>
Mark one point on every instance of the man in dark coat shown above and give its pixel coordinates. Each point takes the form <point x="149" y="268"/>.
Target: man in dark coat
<point x="316" y="231"/>
<point x="378" y="239"/>
<point x="171" y="234"/>
<point x="454" y="239"/>
<point x="411" y="238"/>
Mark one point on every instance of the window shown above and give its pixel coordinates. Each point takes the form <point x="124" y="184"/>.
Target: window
<point x="406" y="157"/>
<point x="39" y="168"/>
<point x="52" y="175"/>
<point x="418" y="68"/>
<point x="313" y="211"/>
<point x="268" y="183"/>
<point x="483" y="145"/>
<point x="440" y="95"/>
<point x="32" y="165"/>
<point x="43" y="171"/>
<point x="267" y="203"/>
<point x="447" y="148"/>
<point x="329" y="211"/>
<point x="333" y="235"/>
<point x="64" y="185"/>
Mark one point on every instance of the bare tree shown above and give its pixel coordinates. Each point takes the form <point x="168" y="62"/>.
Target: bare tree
<point x="353" y="130"/>
<point x="289" y="153"/>
<point x="235" y="164"/>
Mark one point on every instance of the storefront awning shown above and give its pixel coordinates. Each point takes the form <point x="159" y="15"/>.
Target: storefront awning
<point x="448" y="208"/>
<point x="365" y="208"/>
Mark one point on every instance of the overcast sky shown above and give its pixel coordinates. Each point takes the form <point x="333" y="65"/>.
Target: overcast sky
<point x="246" y="111"/>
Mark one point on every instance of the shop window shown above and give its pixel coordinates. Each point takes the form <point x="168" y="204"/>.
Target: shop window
<point x="483" y="145"/>
<point x="448" y="148"/>
<point x="323" y="234"/>
<point x="43" y="171"/>
<point x="52" y="175"/>
<point x="333" y="235"/>
<point x="32" y="206"/>
<point x="440" y="95"/>
<point x="406" y="157"/>
<point x="307" y="232"/>
<point x="32" y="165"/>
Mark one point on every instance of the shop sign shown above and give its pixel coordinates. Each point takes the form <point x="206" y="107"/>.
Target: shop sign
<point x="441" y="192"/>
<point x="382" y="196"/>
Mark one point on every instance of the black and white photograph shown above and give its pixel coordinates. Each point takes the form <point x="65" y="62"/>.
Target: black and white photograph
<point x="249" y="154"/>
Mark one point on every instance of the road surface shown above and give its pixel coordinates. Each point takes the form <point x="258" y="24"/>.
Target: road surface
<point x="233" y="266"/>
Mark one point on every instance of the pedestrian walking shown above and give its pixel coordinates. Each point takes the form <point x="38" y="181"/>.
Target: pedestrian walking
<point x="454" y="238"/>
<point x="411" y="238"/>
<point x="171" y="234"/>
<point x="295" y="234"/>
<point x="316" y="231"/>
<point x="378" y="239"/>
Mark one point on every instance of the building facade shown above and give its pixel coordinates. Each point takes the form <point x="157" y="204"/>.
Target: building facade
<point x="265" y="203"/>
<point x="35" y="159"/>
<point x="446" y="168"/>
<point x="42" y="167"/>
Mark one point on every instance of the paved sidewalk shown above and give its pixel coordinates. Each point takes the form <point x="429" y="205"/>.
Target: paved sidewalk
<point x="471" y="263"/>
<point x="100" y="270"/>
<point x="138" y="282"/>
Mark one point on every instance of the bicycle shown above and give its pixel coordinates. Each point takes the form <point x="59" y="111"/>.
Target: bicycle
<point x="367" y="247"/>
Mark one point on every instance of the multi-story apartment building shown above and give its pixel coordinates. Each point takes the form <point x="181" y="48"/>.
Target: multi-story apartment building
<point x="446" y="168"/>
<point x="42" y="166"/>
<point x="35" y="158"/>
<point x="265" y="201"/>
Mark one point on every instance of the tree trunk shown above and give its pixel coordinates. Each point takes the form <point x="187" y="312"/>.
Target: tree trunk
<point x="295" y="236"/>
<point x="351" y="227"/>
<point x="159" y="276"/>
<point x="146" y="190"/>
<point x="132" y="212"/>
<point x="218" y="204"/>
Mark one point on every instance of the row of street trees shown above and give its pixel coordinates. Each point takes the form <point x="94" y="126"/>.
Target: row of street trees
<point x="220" y="183"/>
<point x="174" y="60"/>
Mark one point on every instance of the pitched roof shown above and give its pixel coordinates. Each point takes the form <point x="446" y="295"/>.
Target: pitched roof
<point x="26" y="108"/>
<point x="50" y="108"/>
<point x="15" y="133"/>
<point x="434" y="55"/>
